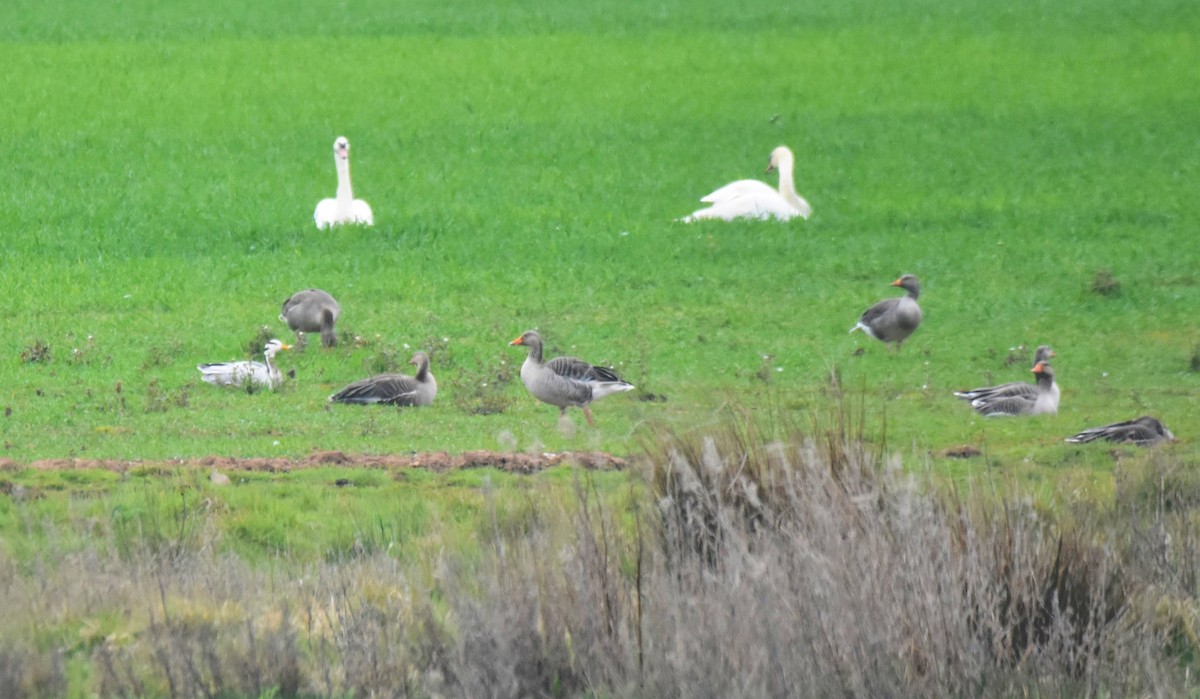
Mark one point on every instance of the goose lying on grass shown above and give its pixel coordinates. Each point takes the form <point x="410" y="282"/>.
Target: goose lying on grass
<point x="754" y="199"/>
<point x="893" y="320"/>
<point x="344" y="208"/>
<point x="393" y="389"/>
<point x="312" y="310"/>
<point x="1044" y="401"/>
<point x="1016" y="388"/>
<point x="257" y="374"/>
<point x="565" y="381"/>
<point x="1145" y="431"/>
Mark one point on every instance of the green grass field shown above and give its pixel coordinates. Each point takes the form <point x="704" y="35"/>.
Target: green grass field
<point x="525" y="162"/>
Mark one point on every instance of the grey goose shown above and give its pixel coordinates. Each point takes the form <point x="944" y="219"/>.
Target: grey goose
<point x="310" y="311"/>
<point x="1144" y="431"/>
<point x="1015" y="388"/>
<point x="1044" y="401"/>
<point x="565" y="381"/>
<point x="894" y="319"/>
<point x="393" y="389"/>
<point x="262" y="374"/>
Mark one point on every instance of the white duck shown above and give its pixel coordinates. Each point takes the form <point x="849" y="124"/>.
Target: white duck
<point x="344" y="208"/>
<point x="256" y="374"/>
<point x="754" y="199"/>
<point x="566" y="381"/>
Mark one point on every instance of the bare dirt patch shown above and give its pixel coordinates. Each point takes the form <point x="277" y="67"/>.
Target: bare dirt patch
<point x="439" y="461"/>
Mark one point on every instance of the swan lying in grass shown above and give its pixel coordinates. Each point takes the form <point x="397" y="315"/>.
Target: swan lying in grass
<point x="344" y="208"/>
<point x="255" y="374"/>
<point x="754" y="199"/>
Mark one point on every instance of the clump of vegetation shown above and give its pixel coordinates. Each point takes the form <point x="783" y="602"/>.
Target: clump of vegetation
<point x="484" y="390"/>
<point x="1105" y="284"/>
<point x="37" y="353"/>
<point x="799" y="550"/>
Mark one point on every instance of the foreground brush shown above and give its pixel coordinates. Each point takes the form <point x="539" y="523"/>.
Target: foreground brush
<point x="565" y="381"/>
<point x="1145" y="431"/>
<point x="393" y="389"/>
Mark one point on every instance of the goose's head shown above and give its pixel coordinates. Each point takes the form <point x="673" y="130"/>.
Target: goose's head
<point x="910" y="284"/>
<point x="781" y="159"/>
<point x="275" y="346"/>
<point x="529" y="338"/>
<point x="1042" y="354"/>
<point x="341" y="148"/>
<point x="1043" y="372"/>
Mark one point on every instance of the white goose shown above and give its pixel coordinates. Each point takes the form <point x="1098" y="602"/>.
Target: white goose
<point x="256" y="374"/>
<point x="566" y="381"/>
<point x="344" y="208"/>
<point x="754" y="199"/>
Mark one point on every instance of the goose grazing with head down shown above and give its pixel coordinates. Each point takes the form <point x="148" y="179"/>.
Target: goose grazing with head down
<point x="565" y="381"/>
<point x="312" y="310"/>
<point x="754" y="199"/>
<point x="257" y="374"/>
<point x="393" y="389"/>
<point x="1044" y="402"/>
<point x="344" y="208"/>
<point x="894" y="319"/>
<point x="1145" y="431"/>
<point x="1016" y="388"/>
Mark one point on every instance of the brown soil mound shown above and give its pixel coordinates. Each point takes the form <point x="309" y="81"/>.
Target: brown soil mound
<point x="435" y="461"/>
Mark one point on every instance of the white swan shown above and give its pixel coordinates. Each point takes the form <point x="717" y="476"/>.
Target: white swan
<point x="344" y="208"/>
<point x="256" y="374"/>
<point x="754" y="199"/>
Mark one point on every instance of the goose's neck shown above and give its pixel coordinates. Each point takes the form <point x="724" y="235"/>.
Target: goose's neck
<point x="422" y="371"/>
<point x="345" y="196"/>
<point x="535" y="352"/>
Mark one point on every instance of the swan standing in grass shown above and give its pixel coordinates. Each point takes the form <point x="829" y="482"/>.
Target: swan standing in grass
<point x="344" y="208"/>
<point x="257" y="374"/>
<point x="565" y="381"/>
<point x="754" y="199"/>
<point x="312" y="310"/>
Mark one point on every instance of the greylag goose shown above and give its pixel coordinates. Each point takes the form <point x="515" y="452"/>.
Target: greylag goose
<point x="343" y="208"/>
<point x="258" y="374"/>
<point x="1144" y="431"/>
<point x="565" y="381"/>
<point x="1015" y="388"/>
<point x="312" y="310"/>
<point x="894" y="319"/>
<point x="1045" y="401"/>
<point x="754" y="199"/>
<point x="393" y="389"/>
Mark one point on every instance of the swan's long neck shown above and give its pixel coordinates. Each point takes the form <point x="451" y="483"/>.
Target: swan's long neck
<point x="345" y="196"/>
<point x="787" y="185"/>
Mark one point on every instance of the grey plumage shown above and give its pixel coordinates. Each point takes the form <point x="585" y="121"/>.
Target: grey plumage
<point x="310" y="311"/>
<point x="1015" y="388"/>
<point x="1044" y="401"/>
<point x="893" y="320"/>
<point x="393" y="389"/>
<point x="565" y="381"/>
<point x="1144" y="431"/>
